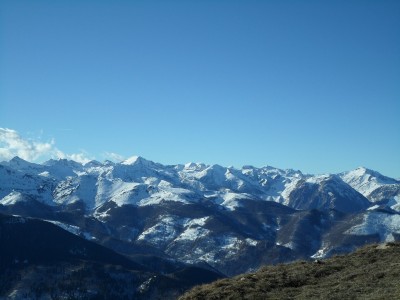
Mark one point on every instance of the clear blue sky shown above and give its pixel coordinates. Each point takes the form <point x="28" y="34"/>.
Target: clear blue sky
<point x="309" y="85"/>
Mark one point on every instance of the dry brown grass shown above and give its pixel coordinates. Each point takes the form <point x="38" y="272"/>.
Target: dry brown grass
<point x="372" y="272"/>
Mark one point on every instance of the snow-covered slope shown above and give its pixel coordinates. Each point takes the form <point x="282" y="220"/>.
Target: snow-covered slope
<point x="366" y="181"/>
<point x="374" y="186"/>
<point x="25" y="183"/>
<point x="230" y="219"/>
<point x="141" y="182"/>
<point x="326" y="192"/>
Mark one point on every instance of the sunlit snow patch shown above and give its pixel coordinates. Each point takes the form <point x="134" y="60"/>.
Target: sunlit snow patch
<point x="378" y="223"/>
<point x="13" y="198"/>
<point x="163" y="232"/>
<point x="193" y="233"/>
<point x="321" y="253"/>
<point x="394" y="203"/>
<point x="165" y="193"/>
<point x="72" y="229"/>
<point x="231" y="200"/>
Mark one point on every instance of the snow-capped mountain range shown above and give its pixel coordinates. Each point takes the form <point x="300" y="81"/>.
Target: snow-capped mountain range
<point x="225" y="218"/>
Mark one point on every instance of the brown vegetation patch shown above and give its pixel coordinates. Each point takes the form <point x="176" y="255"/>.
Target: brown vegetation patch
<point x="370" y="273"/>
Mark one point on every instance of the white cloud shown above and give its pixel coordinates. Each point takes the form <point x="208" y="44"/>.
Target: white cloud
<point x="12" y="144"/>
<point x="114" y="156"/>
<point x="80" y="157"/>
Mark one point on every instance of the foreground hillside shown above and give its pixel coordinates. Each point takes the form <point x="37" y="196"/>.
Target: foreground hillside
<point x="39" y="260"/>
<point x="372" y="272"/>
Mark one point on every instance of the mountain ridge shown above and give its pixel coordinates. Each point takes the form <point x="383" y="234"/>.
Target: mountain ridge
<point x="231" y="219"/>
<point x="205" y="177"/>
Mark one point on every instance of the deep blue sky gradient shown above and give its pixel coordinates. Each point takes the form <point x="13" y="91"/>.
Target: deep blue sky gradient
<point x="309" y="85"/>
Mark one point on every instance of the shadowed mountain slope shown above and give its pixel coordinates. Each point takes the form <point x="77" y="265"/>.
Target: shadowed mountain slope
<point x="221" y="218"/>
<point x="39" y="260"/>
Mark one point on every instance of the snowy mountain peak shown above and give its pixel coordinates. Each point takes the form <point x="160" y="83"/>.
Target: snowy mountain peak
<point x="108" y="163"/>
<point x="20" y="164"/>
<point x="63" y="162"/>
<point x="362" y="172"/>
<point x="368" y="174"/>
<point x="17" y="160"/>
<point x="319" y="178"/>
<point x="142" y="182"/>
<point x="231" y="217"/>
<point x="367" y="181"/>
<point x="93" y="163"/>
<point x="363" y="169"/>
<point x="194" y="166"/>
<point x="248" y="167"/>
<point x="135" y="160"/>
